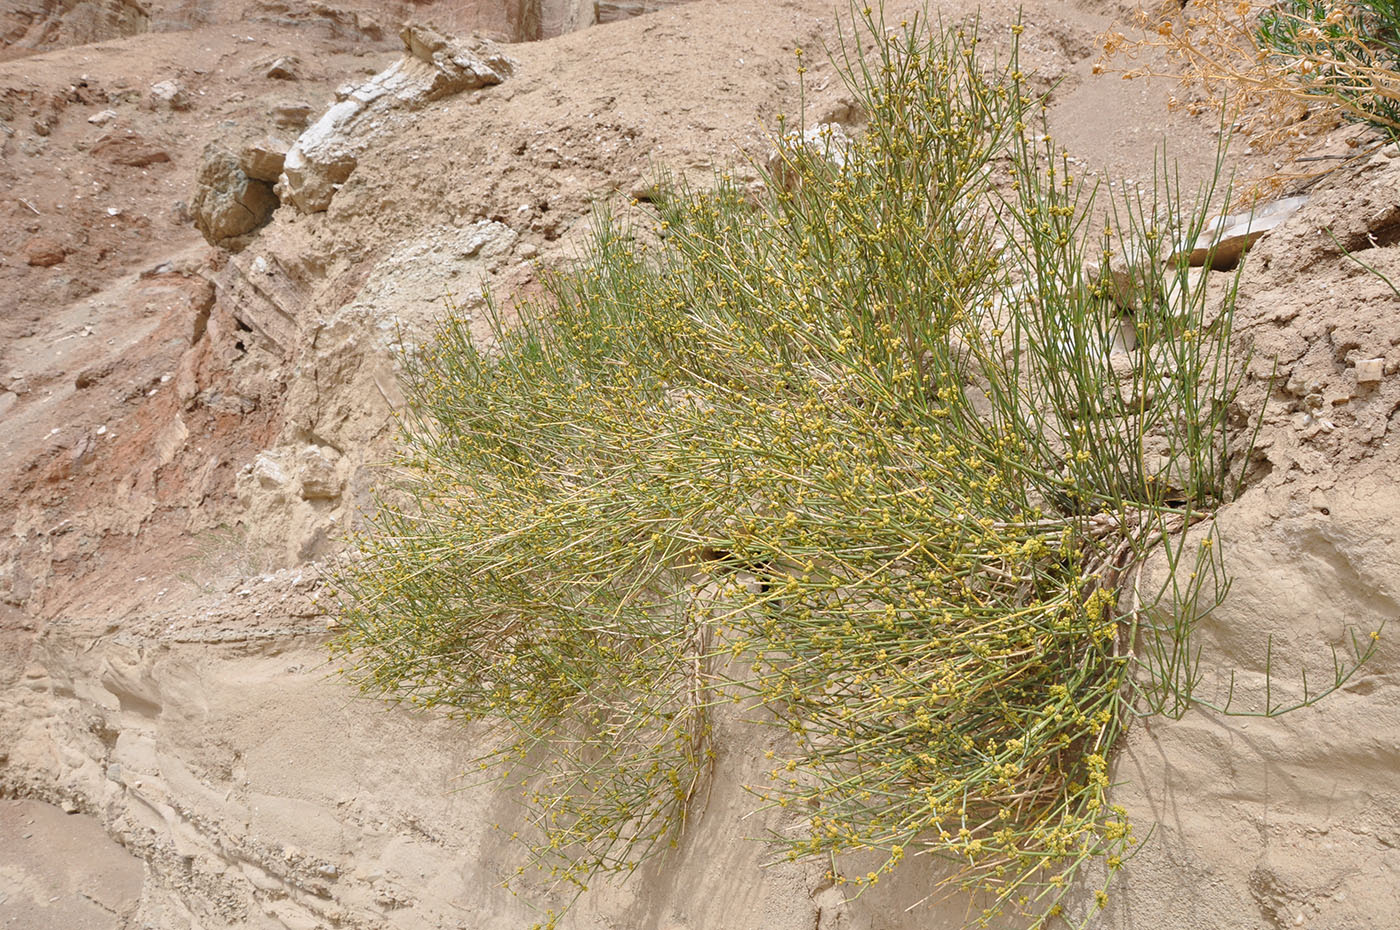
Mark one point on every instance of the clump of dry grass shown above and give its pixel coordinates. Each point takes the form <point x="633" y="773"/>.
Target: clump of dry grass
<point x="1291" y="69"/>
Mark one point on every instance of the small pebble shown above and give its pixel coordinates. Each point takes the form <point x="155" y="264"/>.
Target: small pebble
<point x="1370" y="370"/>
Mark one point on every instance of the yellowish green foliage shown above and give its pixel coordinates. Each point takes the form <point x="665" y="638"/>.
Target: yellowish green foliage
<point x="859" y="454"/>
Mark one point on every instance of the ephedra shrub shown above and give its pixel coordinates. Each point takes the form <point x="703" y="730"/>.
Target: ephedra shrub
<point x="869" y="453"/>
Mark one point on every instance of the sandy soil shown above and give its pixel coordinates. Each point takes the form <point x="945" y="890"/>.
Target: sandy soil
<point x="62" y="871"/>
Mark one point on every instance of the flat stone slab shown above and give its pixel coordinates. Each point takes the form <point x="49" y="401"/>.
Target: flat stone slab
<point x="1232" y="235"/>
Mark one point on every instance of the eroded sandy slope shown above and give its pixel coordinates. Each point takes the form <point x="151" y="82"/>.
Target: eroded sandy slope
<point x="188" y="430"/>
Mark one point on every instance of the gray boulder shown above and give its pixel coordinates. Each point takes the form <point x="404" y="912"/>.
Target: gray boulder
<point x="229" y="205"/>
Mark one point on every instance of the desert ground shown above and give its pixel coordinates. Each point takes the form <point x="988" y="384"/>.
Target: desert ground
<point x="206" y="275"/>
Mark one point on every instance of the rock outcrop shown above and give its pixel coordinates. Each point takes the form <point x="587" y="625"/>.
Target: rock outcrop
<point x="824" y="140"/>
<point x="44" y="252"/>
<point x="129" y="149"/>
<point x="228" y="203"/>
<point x="1224" y="239"/>
<point x="612" y="11"/>
<point x="168" y="95"/>
<point x="263" y="160"/>
<point x="36" y="24"/>
<point x="433" y="66"/>
<point x="335" y="20"/>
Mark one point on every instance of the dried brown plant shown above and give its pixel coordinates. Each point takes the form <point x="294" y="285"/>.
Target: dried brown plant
<point x="1288" y="71"/>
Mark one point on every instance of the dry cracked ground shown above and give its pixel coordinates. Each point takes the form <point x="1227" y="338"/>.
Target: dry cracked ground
<point x="219" y="218"/>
